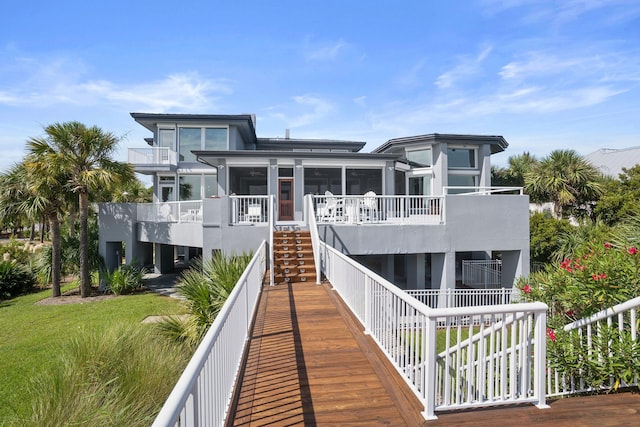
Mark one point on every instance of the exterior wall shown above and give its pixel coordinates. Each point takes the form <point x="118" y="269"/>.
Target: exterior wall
<point x="117" y="225"/>
<point x="171" y="233"/>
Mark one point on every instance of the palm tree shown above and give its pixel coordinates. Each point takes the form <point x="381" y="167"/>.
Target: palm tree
<point x="84" y="155"/>
<point x="31" y="189"/>
<point x="564" y="178"/>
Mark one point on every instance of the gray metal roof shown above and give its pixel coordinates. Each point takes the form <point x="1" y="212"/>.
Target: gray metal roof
<point x="610" y="161"/>
<point x="297" y="143"/>
<point x="498" y="143"/>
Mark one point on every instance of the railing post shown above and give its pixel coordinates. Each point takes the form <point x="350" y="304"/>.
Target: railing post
<point x="540" y="352"/>
<point x="429" y="371"/>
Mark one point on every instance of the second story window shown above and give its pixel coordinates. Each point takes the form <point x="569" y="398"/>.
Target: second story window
<point x="420" y="158"/>
<point x="461" y="158"/>
<point x="193" y="139"/>
<point x="167" y="138"/>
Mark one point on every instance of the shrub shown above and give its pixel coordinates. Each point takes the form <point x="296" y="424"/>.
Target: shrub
<point x="15" y="279"/>
<point x="120" y="376"/>
<point x="124" y="280"/>
<point x="205" y="286"/>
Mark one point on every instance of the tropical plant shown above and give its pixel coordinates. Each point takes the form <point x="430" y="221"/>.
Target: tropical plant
<point x="545" y="236"/>
<point x="620" y="198"/>
<point x="205" y="286"/>
<point x="566" y="179"/>
<point x="83" y="154"/>
<point x="15" y="279"/>
<point x="125" y="279"/>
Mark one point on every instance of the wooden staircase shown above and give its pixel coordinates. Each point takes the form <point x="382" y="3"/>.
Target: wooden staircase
<point x="293" y="257"/>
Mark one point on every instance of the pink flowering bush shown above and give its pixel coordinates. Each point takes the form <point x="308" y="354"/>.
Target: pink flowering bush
<point x="593" y="279"/>
<point x="577" y="287"/>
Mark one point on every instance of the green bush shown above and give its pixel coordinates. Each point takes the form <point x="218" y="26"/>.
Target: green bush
<point x="205" y="286"/>
<point x="124" y="280"/>
<point x="15" y="279"/>
<point x="119" y="376"/>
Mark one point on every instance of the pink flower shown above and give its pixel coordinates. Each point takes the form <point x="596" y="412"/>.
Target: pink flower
<point x="598" y="276"/>
<point x="633" y="250"/>
<point x="608" y="245"/>
<point x="526" y="289"/>
<point x="570" y="313"/>
<point x="551" y="334"/>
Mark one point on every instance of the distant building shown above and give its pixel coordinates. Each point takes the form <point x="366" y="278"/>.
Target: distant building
<point x="610" y="161"/>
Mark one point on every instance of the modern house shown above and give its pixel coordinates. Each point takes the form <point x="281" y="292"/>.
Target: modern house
<point x="415" y="210"/>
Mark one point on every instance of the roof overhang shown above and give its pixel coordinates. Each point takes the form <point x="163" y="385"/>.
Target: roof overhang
<point x="213" y="158"/>
<point x="498" y="143"/>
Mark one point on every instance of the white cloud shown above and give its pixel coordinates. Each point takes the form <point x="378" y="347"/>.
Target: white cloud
<point x="64" y="81"/>
<point x="307" y="110"/>
<point x="326" y="52"/>
<point x="467" y="66"/>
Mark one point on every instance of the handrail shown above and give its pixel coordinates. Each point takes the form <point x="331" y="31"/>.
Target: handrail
<point x="604" y="314"/>
<point x="405" y="330"/>
<point x="272" y="228"/>
<point x="313" y="230"/>
<point x="481" y="190"/>
<point x="202" y="395"/>
<point x="181" y="211"/>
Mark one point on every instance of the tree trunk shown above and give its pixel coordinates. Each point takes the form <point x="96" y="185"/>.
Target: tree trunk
<point x="72" y="219"/>
<point x="55" y="253"/>
<point x="85" y="281"/>
<point x="32" y="233"/>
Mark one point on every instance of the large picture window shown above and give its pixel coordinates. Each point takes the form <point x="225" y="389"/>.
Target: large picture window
<point x="461" y="158"/>
<point x="193" y="139"/>
<point x="197" y="187"/>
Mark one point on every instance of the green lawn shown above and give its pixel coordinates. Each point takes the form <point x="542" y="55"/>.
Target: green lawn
<point x="29" y="335"/>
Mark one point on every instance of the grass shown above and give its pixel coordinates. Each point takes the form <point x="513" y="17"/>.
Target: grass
<point x="31" y="335"/>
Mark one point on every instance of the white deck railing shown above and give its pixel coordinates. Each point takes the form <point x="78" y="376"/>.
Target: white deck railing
<point x="248" y="209"/>
<point x="379" y="209"/>
<point x="203" y="393"/>
<point x="497" y="363"/>
<point x="189" y="211"/>
<point x="152" y="156"/>
<point x="587" y="332"/>
<point x="482" y="191"/>
<point x="486" y="274"/>
<point x="451" y="298"/>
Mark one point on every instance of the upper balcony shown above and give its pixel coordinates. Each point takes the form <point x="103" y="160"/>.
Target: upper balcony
<point x="149" y="160"/>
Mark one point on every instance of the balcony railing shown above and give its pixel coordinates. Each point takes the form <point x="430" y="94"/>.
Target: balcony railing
<point x="248" y="209"/>
<point x="482" y="191"/>
<point x="379" y="209"/>
<point x="190" y="211"/>
<point x="152" y="156"/>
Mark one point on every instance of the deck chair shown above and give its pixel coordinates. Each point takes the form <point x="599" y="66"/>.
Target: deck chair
<point x="369" y="207"/>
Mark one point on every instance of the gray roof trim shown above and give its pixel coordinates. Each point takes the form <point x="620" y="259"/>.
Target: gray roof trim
<point x="498" y="143"/>
<point x="245" y="122"/>
<point x="269" y="143"/>
<point x="207" y="156"/>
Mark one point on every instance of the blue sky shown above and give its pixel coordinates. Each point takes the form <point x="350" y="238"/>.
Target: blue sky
<point x="544" y="74"/>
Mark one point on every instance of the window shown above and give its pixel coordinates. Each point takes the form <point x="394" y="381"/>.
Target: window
<point x="420" y="158"/>
<point x="189" y="140"/>
<point x="190" y="187"/>
<point x="420" y="185"/>
<point x="319" y="180"/>
<point x="461" y="181"/>
<point x="360" y="181"/>
<point x="200" y="139"/>
<point x="215" y="139"/>
<point x="461" y="158"/>
<point x="166" y="138"/>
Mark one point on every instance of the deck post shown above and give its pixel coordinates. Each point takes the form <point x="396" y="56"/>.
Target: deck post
<point x="429" y="372"/>
<point x="540" y="339"/>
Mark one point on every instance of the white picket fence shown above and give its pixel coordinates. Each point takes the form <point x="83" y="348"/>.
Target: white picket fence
<point x="500" y="362"/>
<point x="203" y="393"/>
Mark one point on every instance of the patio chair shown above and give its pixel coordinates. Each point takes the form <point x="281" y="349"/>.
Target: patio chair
<point x="369" y="207"/>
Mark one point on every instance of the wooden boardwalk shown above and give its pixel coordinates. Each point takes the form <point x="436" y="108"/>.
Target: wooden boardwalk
<point x="310" y="364"/>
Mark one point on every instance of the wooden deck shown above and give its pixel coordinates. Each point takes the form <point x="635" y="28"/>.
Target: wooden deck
<point x="310" y="364"/>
